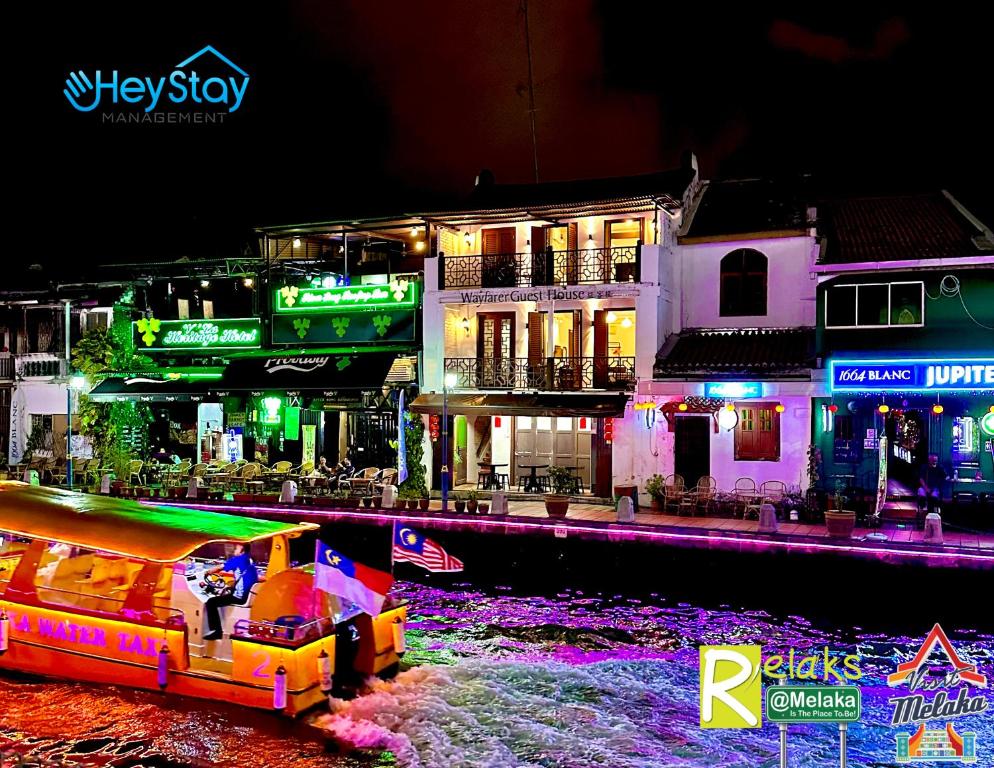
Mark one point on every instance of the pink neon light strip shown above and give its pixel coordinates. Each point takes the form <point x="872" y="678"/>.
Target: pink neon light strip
<point x="634" y="532"/>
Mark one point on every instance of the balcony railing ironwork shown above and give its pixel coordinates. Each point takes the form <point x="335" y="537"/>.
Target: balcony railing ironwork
<point x="559" y="374"/>
<point x="585" y="266"/>
<point x="30" y="366"/>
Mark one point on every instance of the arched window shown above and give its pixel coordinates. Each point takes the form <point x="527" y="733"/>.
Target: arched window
<point x="743" y="283"/>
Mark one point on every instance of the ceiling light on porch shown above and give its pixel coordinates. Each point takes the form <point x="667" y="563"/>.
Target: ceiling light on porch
<point x="468" y="239"/>
<point x="414" y="231"/>
<point x="611" y="317"/>
<point x="626" y="322"/>
<point x="296" y="242"/>
<point x="248" y="282"/>
<point x="205" y="283"/>
<point x="420" y="245"/>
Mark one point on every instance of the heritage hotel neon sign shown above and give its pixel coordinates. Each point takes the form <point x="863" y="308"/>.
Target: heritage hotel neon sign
<point x="162" y="335"/>
<point x="915" y="375"/>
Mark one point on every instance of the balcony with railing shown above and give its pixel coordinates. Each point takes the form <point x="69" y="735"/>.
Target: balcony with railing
<point x="6" y="368"/>
<point x="587" y="266"/>
<point x="39" y="365"/>
<point x="557" y="374"/>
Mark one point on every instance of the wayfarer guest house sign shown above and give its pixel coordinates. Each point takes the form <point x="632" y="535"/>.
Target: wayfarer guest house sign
<point x="505" y="295"/>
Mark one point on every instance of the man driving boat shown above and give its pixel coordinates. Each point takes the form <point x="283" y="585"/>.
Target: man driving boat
<point x="241" y="568"/>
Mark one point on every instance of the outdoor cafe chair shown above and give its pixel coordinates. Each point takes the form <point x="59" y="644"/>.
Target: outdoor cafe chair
<point x="702" y="495"/>
<point x="135" y="471"/>
<point x="672" y="491"/>
<point x="386" y="477"/>
<point x="745" y="492"/>
<point x="364" y="480"/>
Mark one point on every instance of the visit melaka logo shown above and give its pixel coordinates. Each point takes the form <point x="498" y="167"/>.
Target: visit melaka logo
<point x="921" y="674"/>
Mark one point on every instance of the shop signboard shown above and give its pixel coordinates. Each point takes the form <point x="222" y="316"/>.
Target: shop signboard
<point x="154" y="335"/>
<point x="311" y="298"/>
<point x="913" y="375"/>
<point x="347" y="329"/>
<point x="733" y="389"/>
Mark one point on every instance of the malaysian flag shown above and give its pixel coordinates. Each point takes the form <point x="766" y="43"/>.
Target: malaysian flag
<point x="411" y="546"/>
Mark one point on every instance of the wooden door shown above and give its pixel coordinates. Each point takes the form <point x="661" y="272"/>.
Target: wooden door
<point x="499" y="258"/>
<point x="495" y="345"/>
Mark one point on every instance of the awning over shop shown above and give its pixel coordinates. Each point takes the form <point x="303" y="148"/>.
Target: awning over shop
<point x="595" y="404"/>
<point x="147" y="389"/>
<point x="311" y="373"/>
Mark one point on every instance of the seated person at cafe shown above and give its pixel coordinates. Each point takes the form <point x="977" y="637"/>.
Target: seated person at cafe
<point x="323" y="469"/>
<point x="240" y="567"/>
<point x="345" y="467"/>
<point x="931" y="480"/>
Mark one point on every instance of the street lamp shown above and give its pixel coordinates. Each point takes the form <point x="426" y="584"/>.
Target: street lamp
<point x="75" y="383"/>
<point x="449" y="381"/>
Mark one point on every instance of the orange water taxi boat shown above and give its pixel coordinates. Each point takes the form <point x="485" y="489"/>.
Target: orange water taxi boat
<point x="110" y="591"/>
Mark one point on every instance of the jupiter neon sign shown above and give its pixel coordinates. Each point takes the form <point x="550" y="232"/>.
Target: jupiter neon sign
<point x="922" y="375"/>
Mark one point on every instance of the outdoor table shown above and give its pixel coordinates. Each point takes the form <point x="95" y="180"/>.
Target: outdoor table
<point x="490" y="483"/>
<point x="531" y="481"/>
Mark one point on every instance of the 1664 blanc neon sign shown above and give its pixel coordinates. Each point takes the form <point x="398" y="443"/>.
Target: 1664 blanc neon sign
<point x="912" y="375"/>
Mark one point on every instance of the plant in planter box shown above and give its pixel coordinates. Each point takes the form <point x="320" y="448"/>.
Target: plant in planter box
<point x="839" y="521"/>
<point x="472" y="501"/>
<point x="557" y="502"/>
<point x="655" y="486"/>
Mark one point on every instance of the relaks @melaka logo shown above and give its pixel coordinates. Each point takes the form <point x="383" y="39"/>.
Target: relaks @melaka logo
<point x="202" y="88"/>
<point x="950" y="678"/>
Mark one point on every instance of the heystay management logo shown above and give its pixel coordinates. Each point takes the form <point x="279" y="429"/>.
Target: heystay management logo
<point x="206" y="83"/>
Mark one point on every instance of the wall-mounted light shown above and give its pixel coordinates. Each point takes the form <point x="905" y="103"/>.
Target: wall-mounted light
<point x="991" y="409"/>
<point x="465" y="324"/>
<point x="468" y="239"/>
<point x="779" y="408"/>
<point x="420" y="245"/>
<point x="248" y="282"/>
<point x="937" y="409"/>
<point x="414" y="231"/>
<point x="296" y="242"/>
<point x="205" y="283"/>
<point x="728" y="418"/>
<point x="682" y="407"/>
<point x="730" y="407"/>
<point x="883" y="408"/>
<point x="626" y="322"/>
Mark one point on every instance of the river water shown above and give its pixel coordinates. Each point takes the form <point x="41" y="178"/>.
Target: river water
<point x="498" y="678"/>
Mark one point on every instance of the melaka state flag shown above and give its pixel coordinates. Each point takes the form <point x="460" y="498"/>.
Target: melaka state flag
<point x="338" y="575"/>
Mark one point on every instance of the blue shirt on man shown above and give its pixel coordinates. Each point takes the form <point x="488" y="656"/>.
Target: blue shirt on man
<point x="245" y="574"/>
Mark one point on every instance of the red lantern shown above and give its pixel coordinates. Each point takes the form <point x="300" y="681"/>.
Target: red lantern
<point x="583" y="420"/>
<point x="833" y="408"/>
<point x="497" y="422"/>
<point x="609" y="430"/>
<point x="434" y="427"/>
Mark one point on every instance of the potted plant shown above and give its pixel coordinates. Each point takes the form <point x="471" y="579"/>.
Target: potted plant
<point x="377" y="501"/>
<point x="367" y="501"/>
<point x="459" y="502"/>
<point x="557" y="502"/>
<point x="655" y="486"/>
<point x="472" y="501"/>
<point x="840" y="522"/>
<point x="483" y="507"/>
<point x="339" y="498"/>
<point x="424" y="503"/>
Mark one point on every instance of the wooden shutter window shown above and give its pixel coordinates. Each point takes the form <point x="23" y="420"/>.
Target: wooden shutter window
<point x="757" y="435"/>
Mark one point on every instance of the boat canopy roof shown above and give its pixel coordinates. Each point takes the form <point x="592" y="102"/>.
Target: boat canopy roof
<point x="157" y="533"/>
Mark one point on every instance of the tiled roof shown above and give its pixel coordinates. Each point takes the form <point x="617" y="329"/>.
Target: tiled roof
<point x="724" y="353"/>
<point x="749" y="206"/>
<point x="894" y="228"/>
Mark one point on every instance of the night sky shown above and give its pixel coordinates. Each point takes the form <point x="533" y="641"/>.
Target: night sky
<point x="363" y="106"/>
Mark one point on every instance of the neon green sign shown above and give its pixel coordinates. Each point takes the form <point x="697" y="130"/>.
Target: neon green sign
<point x="167" y="335"/>
<point x="397" y="294"/>
<point x="987" y="423"/>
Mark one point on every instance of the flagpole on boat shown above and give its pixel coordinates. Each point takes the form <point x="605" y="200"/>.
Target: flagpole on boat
<point x="393" y="538"/>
